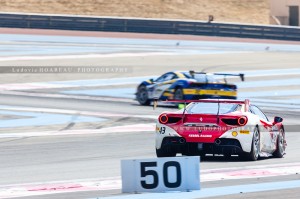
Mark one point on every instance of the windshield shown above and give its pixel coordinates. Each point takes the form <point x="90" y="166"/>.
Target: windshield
<point x="209" y="78"/>
<point x="205" y="78"/>
<point x="212" y="108"/>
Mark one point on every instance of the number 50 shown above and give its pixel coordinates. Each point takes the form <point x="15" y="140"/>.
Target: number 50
<point x="155" y="176"/>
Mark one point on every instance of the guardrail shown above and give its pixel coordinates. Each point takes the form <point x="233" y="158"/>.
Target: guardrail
<point x="140" y="25"/>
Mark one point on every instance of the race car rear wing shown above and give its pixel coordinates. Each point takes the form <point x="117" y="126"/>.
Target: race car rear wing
<point x="246" y="102"/>
<point x="228" y="101"/>
<point x="241" y="75"/>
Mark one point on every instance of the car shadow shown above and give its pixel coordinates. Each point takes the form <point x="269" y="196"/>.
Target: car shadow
<point x="221" y="159"/>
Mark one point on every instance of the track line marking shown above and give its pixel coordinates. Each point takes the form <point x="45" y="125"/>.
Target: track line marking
<point x="72" y="112"/>
<point x="64" y="96"/>
<point x="86" y="56"/>
<point x="40" y="114"/>
<point x="117" y="129"/>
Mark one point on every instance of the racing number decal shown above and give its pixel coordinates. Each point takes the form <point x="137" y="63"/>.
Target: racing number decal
<point x="154" y="175"/>
<point x="162" y="130"/>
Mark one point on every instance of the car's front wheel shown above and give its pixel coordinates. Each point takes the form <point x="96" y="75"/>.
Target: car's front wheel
<point x="142" y="95"/>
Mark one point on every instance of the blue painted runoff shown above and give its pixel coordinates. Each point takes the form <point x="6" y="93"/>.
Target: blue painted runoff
<point x="42" y="119"/>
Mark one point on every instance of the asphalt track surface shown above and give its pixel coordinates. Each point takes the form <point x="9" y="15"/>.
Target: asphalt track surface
<point x="43" y="159"/>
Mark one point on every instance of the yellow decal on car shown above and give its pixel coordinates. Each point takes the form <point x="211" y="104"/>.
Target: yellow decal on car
<point x="189" y="91"/>
<point x="217" y="92"/>
<point x="180" y="75"/>
<point x="209" y="92"/>
<point x="244" y="132"/>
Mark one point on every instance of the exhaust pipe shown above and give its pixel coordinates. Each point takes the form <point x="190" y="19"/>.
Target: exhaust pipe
<point x="217" y="141"/>
<point x="181" y="140"/>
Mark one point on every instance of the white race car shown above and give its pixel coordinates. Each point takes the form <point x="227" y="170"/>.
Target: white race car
<point x="227" y="127"/>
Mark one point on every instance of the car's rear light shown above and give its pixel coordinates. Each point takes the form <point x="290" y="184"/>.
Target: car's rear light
<point x="233" y="87"/>
<point x="242" y="120"/>
<point x="163" y="119"/>
<point x="230" y="121"/>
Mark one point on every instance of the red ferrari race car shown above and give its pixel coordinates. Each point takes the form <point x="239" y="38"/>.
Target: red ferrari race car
<point x="227" y="127"/>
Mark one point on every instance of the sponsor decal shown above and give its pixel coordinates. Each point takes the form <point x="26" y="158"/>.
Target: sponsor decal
<point x="244" y="132"/>
<point x="234" y="133"/>
<point x="200" y="135"/>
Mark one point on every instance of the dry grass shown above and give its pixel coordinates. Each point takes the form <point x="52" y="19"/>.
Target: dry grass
<point x="245" y="11"/>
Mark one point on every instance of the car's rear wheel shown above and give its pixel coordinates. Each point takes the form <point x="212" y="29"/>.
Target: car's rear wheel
<point x="142" y="95"/>
<point x="280" y="147"/>
<point x="165" y="152"/>
<point x="178" y="94"/>
<point x="254" y="153"/>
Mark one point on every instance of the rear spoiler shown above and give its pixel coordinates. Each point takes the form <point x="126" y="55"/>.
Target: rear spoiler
<point x="210" y="101"/>
<point x="246" y="102"/>
<point x="241" y="75"/>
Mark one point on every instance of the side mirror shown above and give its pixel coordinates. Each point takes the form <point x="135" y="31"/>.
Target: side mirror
<point x="277" y="119"/>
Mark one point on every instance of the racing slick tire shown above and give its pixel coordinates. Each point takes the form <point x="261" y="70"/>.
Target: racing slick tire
<point x="142" y="95"/>
<point x="178" y="94"/>
<point x="280" y="147"/>
<point x="254" y="153"/>
<point x="165" y="152"/>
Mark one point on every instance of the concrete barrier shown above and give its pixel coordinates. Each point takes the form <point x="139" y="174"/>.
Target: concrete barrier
<point x="141" y="25"/>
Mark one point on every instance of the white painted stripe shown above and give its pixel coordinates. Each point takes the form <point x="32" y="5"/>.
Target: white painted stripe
<point x="31" y="86"/>
<point x="73" y="112"/>
<point x="54" y="95"/>
<point x="108" y="130"/>
<point x="19" y="58"/>
<point x="31" y="189"/>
